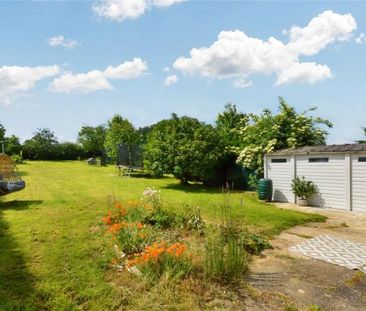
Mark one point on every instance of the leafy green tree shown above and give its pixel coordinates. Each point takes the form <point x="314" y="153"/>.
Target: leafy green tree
<point x="69" y="151"/>
<point x="184" y="147"/>
<point x="92" y="139"/>
<point x="2" y="132"/>
<point x="12" y="145"/>
<point x="268" y="132"/>
<point x="229" y="123"/>
<point x="42" y="146"/>
<point x="119" y="131"/>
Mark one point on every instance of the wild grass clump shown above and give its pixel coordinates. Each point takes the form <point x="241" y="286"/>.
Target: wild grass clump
<point x="226" y="260"/>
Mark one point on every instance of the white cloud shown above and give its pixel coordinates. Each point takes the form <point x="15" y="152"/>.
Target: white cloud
<point x="241" y="83"/>
<point x="98" y="80"/>
<point x="165" y="3"/>
<point x="128" y="70"/>
<point x="119" y="10"/>
<point x="170" y="80"/>
<point x="236" y="55"/>
<point x="361" y="39"/>
<point x="62" y="41"/>
<point x="15" y="79"/>
<point x="322" y="30"/>
<point x="304" y="73"/>
<point x="166" y="69"/>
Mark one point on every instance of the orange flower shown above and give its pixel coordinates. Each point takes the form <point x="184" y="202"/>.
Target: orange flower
<point x="140" y="226"/>
<point x="118" y="205"/>
<point x="115" y="228"/>
<point x="123" y="212"/>
<point x="108" y="219"/>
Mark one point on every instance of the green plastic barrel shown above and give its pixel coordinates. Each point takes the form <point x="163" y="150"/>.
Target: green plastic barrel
<point x="265" y="189"/>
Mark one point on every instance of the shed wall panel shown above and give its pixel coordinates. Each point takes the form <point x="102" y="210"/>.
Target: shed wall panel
<point x="281" y="175"/>
<point x="329" y="177"/>
<point x="358" y="183"/>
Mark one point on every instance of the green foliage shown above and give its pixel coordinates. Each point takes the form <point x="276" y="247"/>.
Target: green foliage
<point x="2" y="132"/>
<point x="253" y="243"/>
<point x="162" y="219"/>
<point x="42" y="146"/>
<point x="119" y="131"/>
<point x="92" y="139"/>
<point x="12" y="145"/>
<point x="133" y="240"/>
<point x="228" y="124"/>
<point x="17" y="158"/>
<point x="184" y="147"/>
<point x="193" y="219"/>
<point x="303" y="188"/>
<point x="288" y="129"/>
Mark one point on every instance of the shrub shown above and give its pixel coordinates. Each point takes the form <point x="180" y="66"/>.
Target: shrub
<point x="253" y="243"/>
<point x="303" y="188"/>
<point x="160" y="261"/>
<point x="193" y="219"/>
<point x="161" y="219"/>
<point x="134" y="238"/>
<point x="17" y="158"/>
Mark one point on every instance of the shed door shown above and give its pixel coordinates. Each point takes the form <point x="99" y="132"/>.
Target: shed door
<point x="280" y="170"/>
<point x="328" y="172"/>
<point x="359" y="182"/>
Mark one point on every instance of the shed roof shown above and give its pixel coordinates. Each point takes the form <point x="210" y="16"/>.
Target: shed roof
<point x="346" y="148"/>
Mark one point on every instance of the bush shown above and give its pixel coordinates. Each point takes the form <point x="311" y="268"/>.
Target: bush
<point x="193" y="219"/>
<point x="161" y="219"/>
<point x="303" y="188"/>
<point x="253" y="243"/>
<point x="17" y="158"/>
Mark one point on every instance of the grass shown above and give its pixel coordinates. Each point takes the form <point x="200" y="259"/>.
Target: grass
<point x="54" y="255"/>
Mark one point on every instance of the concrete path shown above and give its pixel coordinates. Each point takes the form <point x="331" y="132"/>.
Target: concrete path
<point x="281" y="279"/>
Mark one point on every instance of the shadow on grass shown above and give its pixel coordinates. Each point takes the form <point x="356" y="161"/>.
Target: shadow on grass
<point x="18" y="205"/>
<point x="16" y="282"/>
<point x="192" y="188"/>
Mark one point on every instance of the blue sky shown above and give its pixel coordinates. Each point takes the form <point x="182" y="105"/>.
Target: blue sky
<point x="65" y="64"/>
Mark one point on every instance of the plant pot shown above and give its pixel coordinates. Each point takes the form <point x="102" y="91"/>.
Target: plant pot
<point x="302" y="202"/>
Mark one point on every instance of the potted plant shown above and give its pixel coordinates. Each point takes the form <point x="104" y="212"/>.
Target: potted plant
<point x="303" y="189"/>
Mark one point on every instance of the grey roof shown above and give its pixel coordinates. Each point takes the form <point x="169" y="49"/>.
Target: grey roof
<point x="352" y="148"/>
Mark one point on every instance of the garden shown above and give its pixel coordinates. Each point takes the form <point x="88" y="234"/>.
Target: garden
<point x="80" y="238"/>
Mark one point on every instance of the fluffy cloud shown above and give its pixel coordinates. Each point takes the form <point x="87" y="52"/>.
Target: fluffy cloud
<point x="98" y="80"/>
<point x="15" y="78"/>
<point x="119" y="10"/>
<point x="170" y="80"/>
<point x="361" y="39"/>
<point x="236" y="55"/>
<point x="62" y="41"/>
<point x="322" y="30"/>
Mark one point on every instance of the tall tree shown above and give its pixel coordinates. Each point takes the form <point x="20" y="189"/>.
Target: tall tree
<point x="92" y="139"/>
<point x="229" y="123"/>
<point x="184" y="147"/>
<point x="42" y="146"/>
<point x="12" y="145"/>
<point x="119" y="131"/>
<point x="288" y="129"/>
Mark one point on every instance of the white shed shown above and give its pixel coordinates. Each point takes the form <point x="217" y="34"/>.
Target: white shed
<point x="339" y="172"/>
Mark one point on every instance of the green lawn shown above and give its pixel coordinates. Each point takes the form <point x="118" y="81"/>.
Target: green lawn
<point x="53" y="253"/>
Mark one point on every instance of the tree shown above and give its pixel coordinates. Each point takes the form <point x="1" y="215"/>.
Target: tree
<point x="12" y="145"/>
<point x="288" y="129"/>
<point x="2" y="132"/>
<point x="68" y="151"/>
<point x="42" y="146"/>
<point x="92" y="139"/>
<point x="119" y="131"/>
<point x="229" y="123"/>
<point x="184" y="147"/>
